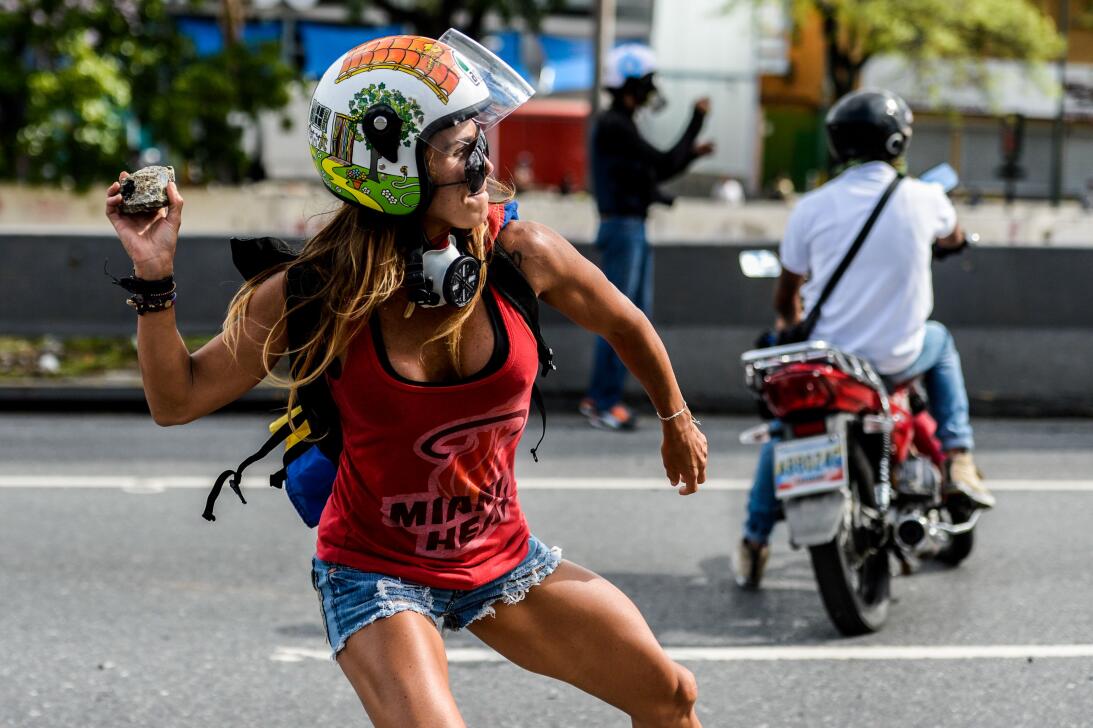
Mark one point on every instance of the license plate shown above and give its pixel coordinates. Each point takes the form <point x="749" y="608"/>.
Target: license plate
<point x="810" y="465"/>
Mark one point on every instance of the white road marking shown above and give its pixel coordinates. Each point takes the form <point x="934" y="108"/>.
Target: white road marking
<point x="138" y="484"/>
<point x="873" y="653"/>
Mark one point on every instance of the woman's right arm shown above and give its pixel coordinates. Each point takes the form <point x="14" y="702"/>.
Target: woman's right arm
<point x="179" y="386"/>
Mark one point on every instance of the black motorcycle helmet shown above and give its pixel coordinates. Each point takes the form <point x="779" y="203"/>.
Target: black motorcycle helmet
<point x="869" y="125"/>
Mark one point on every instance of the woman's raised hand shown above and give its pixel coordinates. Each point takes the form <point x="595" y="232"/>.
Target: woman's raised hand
<point x="149" y="238"/>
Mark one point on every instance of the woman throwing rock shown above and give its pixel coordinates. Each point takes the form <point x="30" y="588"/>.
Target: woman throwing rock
<point x="431" y="371"/>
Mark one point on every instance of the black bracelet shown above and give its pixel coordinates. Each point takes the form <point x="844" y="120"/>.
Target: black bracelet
<point x="143" y="304"/>
<point x="142" y="286"/>
<point x="162" y="286"/>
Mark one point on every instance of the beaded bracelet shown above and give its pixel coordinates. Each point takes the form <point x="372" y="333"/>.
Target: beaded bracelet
<point x="672" y="416"/>
<point x="150" y="303"/>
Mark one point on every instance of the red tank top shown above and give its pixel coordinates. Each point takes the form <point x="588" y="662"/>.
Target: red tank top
<point x="426" y="488"/>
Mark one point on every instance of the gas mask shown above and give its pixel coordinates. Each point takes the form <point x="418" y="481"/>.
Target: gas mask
<point x="646" y="93"/>
<point x="653" y="100"/>
<point x="443" y="276"/>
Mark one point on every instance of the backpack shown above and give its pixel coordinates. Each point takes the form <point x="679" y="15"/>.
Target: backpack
<point x="311" y="433"/>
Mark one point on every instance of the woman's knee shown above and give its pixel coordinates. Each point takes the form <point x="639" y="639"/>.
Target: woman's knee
<point x="686" y="694"/>
<point x="674" y="703"/>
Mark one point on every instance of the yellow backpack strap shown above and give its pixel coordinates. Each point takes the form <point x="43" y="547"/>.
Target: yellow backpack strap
<point x="303" y="429"/>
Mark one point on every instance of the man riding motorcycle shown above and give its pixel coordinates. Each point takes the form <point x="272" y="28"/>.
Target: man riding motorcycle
<point x="880" y="308"/>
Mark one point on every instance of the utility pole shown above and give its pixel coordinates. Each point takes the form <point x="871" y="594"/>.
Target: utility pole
<point x="605" y="41"/>
<point x="1058" y="134"/>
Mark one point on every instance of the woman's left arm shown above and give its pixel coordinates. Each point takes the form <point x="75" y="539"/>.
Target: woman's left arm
<point x="569" y="282"/>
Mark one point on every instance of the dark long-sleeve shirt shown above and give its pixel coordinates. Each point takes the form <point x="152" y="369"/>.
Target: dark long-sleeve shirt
<point x="626" y="168"/>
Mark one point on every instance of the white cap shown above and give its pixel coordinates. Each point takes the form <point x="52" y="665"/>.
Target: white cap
<point x="629" y="60"/>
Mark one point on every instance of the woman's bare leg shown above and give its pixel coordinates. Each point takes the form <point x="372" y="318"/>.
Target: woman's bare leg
<point x="578" y="627"/>
<point x="399" y="669"/>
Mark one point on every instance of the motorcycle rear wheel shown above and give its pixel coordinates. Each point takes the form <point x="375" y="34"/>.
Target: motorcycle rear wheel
<point x="856" y="599"/>
<point x="854" y="580"/>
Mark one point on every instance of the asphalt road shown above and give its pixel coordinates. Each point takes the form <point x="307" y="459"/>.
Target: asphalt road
<point x="120" y="606"/>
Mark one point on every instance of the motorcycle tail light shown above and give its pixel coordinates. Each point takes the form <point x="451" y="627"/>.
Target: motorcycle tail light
<point x="789" y="391"/>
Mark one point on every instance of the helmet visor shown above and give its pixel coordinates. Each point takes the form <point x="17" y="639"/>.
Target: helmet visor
<point x="508" y="90"/>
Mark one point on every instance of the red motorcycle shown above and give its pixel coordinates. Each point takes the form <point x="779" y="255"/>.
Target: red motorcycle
<point x="857" y="469"/>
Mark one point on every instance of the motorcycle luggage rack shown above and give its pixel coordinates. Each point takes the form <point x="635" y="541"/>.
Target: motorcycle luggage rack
<point x="758" y="361"/>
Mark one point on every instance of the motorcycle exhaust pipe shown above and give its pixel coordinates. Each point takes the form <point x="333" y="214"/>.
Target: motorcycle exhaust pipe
<point x="955" y="529"/>
<point x="912" y="533"/>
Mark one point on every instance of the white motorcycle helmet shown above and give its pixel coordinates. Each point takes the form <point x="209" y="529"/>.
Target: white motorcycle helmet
<point x="630" y="68"/>
<point x="628" y="61"/>
<point x="377" y="106"/>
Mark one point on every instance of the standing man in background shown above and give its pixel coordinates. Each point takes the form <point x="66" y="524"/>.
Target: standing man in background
<point x="626" y="171"/>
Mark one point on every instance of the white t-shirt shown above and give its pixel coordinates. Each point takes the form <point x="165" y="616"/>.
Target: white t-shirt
<point x="880" y="307"/>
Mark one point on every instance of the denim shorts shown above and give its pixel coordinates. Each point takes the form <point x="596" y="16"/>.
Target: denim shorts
<point x="351" y="599"/>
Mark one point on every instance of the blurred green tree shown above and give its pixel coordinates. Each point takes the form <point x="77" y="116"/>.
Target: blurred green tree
<point x="80" y="79"/>
<point x="928" y="30"/>
<point x="74" y="114"/>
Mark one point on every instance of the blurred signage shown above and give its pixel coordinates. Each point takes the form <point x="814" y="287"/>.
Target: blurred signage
<point x="1078" y="86"/>
<point x="773" y="26"/>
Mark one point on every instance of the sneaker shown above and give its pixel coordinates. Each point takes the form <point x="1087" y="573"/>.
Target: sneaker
<point x="751" y="560"/>
<point x="619" y="418"/>
<point x="587" y="407"/>
<point x="963" y="480"/>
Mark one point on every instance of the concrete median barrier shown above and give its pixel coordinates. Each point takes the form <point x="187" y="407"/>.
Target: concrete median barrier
<point x="1021" y="315"/>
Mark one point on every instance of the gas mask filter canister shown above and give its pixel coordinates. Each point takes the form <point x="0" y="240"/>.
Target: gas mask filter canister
<point x="444" y="276"/>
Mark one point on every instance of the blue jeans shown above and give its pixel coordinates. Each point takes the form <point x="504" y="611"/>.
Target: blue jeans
<point x="939" y="366"/>
<point x="627" y="262"/>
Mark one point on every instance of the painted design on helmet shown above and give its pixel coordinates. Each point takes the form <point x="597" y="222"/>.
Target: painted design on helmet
<point x="351" y="178"/>
<point x="377" y="106"/>
<point x="424" y="58"/>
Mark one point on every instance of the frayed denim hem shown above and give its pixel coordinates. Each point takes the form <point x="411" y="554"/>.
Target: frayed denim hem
<point x="382" y="614"/>
<point x="515" y="590"/>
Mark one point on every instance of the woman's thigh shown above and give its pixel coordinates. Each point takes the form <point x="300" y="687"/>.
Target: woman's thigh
<point x="578" y="627"/>
<point x="399" y="669"/>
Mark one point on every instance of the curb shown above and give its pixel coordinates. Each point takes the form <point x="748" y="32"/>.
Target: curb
<point x="88" y="396"/>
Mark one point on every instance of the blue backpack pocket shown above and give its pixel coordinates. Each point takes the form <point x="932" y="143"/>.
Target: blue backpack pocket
<point x="309" y="479"/>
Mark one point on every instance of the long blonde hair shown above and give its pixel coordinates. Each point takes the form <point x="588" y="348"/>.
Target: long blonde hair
<point x="358" y="258"/>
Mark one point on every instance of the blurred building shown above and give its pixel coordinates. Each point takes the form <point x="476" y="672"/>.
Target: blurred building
<point x="970" y="116"/>
<point x="544" y="145"/>
<point x="973" y="117"/>
<point x="544" y="141"/>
